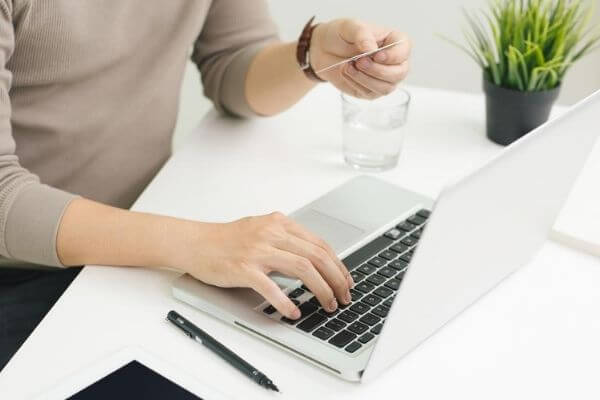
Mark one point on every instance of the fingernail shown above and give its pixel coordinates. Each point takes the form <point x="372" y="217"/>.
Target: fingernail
<point x="333" y="305"/>
<point x="380" y="57"/>
<point x="347" y="298"/>
<point x="295" y="314"/>
<point x="364" y="63"/>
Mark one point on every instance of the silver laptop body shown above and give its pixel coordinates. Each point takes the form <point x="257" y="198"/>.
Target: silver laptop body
<point x="482" y="228"/>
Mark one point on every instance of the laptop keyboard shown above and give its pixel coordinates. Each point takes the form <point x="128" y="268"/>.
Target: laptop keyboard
<point x="377" y="269"/>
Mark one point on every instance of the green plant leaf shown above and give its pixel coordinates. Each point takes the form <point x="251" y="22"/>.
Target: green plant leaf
<point x="530" y="44"/>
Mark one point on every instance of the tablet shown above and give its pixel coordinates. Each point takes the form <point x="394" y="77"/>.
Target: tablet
<point x="132" y="373"/>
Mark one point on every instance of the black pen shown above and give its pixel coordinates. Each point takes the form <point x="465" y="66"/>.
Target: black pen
<point x="233" y="359"/>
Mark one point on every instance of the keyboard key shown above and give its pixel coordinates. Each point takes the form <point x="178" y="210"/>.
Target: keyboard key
<point x="296" y="302"/>
<point x="376" y="279"/>
<point x="269" y="310"/>
<point x="364" y="287"/>
<point x="356" y="295"/>
<point x="409" y="241"/>
<point x="296" y="293"/>
<point x="387" y="272"/>
<point x="398" y="265"/>
<point x="289" y="321"/>
<point x="315" y="301"/>
<point x="353" y="347"/>
<point x="370" y="319"/>
<point x="367" y="251"/>
<point x="406" y="226"/>
<point x="323" y="333"/>
<point x="377" y="329"/>
<point x="359" y="308"/>
<point x="417" y="234"/>
<point x="307" y="308"/>
<point x="417" y="220"/>
<point x="399" y="248"/>
<point x="336" y="324"/>
<point x="400" y="274"/>
<point x="366" y="338"/>
<point x="377" y="262"/>
<point x="424" y="213"/>
<point x="329" y="314"/>
<point x="357" y="276"/>
<point x="388" y="255"/>
<point x="311" y="322"/>
<point x="348" y="316"/>
<point x="342" y="338"/>
<point x="406" y="257"/>
<point x="371" y="299"/>
<point x="383" y="292"/>
<point x="305" y="288"/>
<point x="358" y="328"/>
<point x="393" y="284"/>
<point x="367" y="269"/>
<point x="381" y="311"/>
<point x="394" y="234"/>
<point x="388" y="302"/>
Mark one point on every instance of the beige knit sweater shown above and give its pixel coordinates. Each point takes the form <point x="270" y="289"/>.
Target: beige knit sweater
<point x="88" y="99"/>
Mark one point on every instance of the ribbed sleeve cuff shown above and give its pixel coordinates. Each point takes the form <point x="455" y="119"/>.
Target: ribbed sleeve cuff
<point x="233" y="86"/>
<point x="32" y="224"/>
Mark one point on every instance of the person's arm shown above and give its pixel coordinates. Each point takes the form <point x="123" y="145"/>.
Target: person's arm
<point x="29" y="210"/>
<point x="238" y="254"/>
<point x="275" y="82"/>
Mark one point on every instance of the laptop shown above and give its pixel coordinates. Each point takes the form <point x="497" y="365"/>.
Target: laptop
<point x="417" y="262"/>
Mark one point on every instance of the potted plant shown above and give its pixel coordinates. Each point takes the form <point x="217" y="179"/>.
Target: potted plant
<point x="525" y="48"/>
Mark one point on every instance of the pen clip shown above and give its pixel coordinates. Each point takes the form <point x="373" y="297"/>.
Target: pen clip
<point x="181" y="323"/>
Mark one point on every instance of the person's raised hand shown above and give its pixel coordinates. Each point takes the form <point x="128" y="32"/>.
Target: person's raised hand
<point x="369" y="77"/>
<point x="243" y="253"/>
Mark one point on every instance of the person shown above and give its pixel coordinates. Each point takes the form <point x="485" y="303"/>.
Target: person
<point x="88" y="102"/>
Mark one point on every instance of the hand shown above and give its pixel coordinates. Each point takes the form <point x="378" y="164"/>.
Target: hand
<point x="243" y="253"/>
<point x="369" y="77"/>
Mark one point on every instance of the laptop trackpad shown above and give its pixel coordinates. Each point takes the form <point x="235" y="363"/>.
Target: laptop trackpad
<point x="340" y="235"/>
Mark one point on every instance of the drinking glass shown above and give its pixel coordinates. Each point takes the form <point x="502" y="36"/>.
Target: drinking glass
<point x="373" y="130"/>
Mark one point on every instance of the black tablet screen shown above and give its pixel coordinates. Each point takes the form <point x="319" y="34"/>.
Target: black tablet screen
<point x="134" y="381"/>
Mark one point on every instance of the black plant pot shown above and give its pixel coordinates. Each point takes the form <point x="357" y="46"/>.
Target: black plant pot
<point x="511" y="114"/>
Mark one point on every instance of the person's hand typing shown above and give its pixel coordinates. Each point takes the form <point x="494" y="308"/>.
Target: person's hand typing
<point x="243" y="253"/>
<point x="369" y="77"/>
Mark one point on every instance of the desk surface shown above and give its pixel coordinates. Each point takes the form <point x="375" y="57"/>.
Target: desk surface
<point x="535" y="336"/>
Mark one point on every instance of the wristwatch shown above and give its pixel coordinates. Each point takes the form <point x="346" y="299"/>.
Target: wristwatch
<point x="303" y="51"/>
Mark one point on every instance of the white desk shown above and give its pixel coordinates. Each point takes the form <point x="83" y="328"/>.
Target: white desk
<point x="535" y="336"/>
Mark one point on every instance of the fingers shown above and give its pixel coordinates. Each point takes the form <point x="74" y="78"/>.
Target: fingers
<point x="395" y="54"/>
<point x="359" y="34"/>
<point x="374" y="85"/>
<point x="300" y="267"/>
<point x="298" y="230"/>
<point x="324" y="264"/>
<point x="355" y="89"/>
<point x="273" y="294"/>
<point x="387" y="73"/>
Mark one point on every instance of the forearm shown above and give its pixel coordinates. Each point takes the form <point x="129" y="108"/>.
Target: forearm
<point x="93" y="233"/>
<point x="274" y="81"/>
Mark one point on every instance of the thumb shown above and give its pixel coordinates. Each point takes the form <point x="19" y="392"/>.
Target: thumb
<point x="359" y="34"/>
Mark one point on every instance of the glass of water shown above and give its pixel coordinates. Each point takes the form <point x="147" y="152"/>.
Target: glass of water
<point x="372" y="130"/>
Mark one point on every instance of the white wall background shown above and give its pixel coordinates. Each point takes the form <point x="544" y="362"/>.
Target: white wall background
<point x="435" y="63"/>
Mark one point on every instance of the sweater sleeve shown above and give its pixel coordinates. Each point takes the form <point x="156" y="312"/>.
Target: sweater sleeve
<point x="30" y="212"/>
<point x="234" y="32"/>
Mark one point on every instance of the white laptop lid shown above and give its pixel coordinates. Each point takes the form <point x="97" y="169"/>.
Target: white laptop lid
<point x="486" y="226"/>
